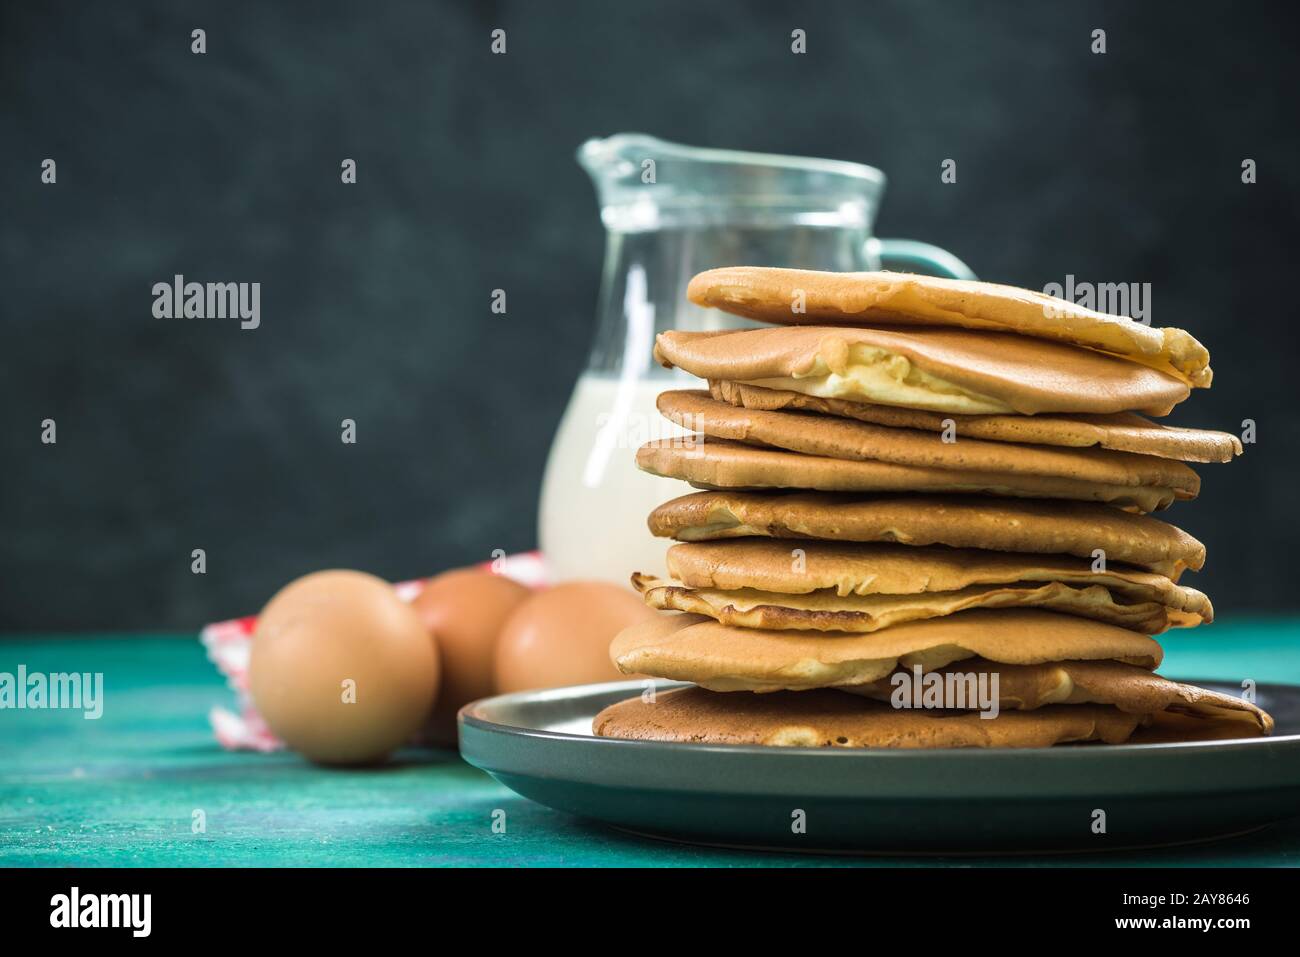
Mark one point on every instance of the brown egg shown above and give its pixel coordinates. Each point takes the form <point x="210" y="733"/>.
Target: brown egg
<point x="464" y="611"/>
<point x="560" y="636"/>
<point x="341" y="668"/>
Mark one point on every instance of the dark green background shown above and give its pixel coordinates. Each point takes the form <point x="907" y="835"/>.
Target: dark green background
<point x="1116" y="168"/>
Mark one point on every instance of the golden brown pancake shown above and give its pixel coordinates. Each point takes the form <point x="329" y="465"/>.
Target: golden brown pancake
<point x="1026" y="687"/>
<point x="839" y="438"/>
<point x="827" y="611"/>
<point x="722" y="464"/>
<point x="724" y="658"/>
<point x="873" y="298"/>
<point x="942" y="370"/>
<point x="831" y="719"/>
<point x="856" y="568"/>
<point x="1007" y="525"/>
<point x="1165" y="727"/>
<point x="1120" y="431"/>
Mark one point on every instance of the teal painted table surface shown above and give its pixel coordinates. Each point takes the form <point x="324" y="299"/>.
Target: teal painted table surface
<point x="123" y="790"/>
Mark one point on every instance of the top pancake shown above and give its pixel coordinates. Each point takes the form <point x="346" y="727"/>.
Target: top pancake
<point x="1119" y="431"/>
<point x="874" y="298"/>
<point x="1005" y="525"/>
<point x="940" y="370"/>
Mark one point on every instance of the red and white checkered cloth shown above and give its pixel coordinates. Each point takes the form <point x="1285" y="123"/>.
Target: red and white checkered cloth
<point x="229" y="644"/>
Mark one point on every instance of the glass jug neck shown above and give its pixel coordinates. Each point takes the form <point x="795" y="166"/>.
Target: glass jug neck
<point x="671" y="211"/>
<point x="646" y="273"/>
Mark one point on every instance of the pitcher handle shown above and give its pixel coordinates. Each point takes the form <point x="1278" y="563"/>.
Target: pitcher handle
<point x="908" y="255"/>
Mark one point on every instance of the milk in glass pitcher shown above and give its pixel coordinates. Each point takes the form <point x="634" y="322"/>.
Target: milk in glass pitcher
<point x="671" y="211"/>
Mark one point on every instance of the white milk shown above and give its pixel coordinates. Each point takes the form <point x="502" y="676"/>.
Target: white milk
<point x="594" y="499"/>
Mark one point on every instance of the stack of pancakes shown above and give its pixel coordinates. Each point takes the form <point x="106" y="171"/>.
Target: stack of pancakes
<point x="923" y="521"/>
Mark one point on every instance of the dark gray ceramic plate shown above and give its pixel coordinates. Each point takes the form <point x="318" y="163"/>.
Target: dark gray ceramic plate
<point x="540" y="745"/>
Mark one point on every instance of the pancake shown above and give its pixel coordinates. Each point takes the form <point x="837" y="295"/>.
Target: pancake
<point x="839" y="438"/>
<point x="873" y="298"/>
<point x="863" y="614"/>
<point x="941" y="370"/>
<point x="1119" y="431"/>
<point x="719" y="657"/>
<point x="852" y="568"/>
<point x="722" y="464"/>
<point x="1129" y="688"/>
<point x="1005" y="525"/>
<point x="1165" y="727"/>
<point x="830" y="719"/>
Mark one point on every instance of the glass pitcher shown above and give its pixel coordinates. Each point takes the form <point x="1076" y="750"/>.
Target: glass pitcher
<point x="671" y="211"/>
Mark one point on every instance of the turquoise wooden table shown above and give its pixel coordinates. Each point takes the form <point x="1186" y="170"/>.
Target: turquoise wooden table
<point x="123" y="790"/>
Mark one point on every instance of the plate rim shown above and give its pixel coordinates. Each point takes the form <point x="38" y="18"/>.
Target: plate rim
<point x="468" y="715"/>
<point x="611" y="779"/>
